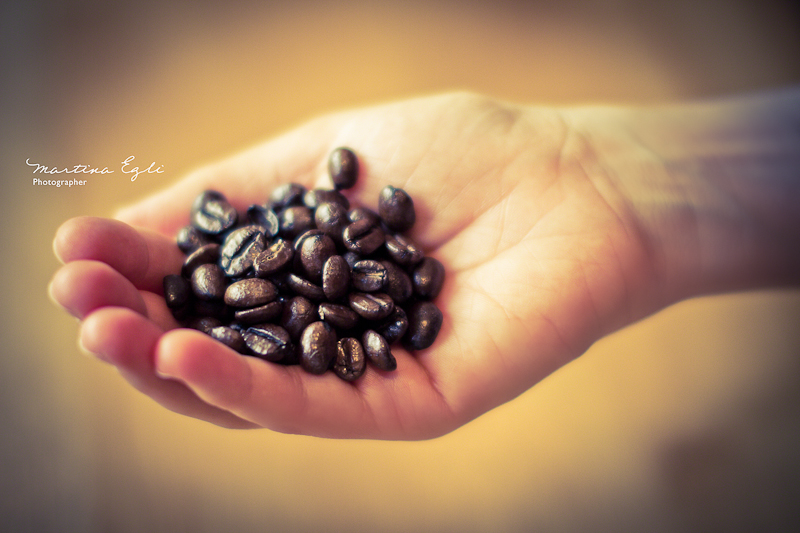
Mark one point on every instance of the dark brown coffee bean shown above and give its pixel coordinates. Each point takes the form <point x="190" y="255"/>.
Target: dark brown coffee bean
<point x="265" y="217"/>
<point x="208" y="253"/>
<point x="403" y="250"/>
<point x="277" y="257"/>
<point x="339" y="316"/>
<point x="297" y="314"/>
<point x="363" y="237"/>
<point x="212" y="214"/>
<point x="335" y="277"/>
<point x="189" y="239"/>
<point x="394" y="327"/>
<point x="314" y="251"/>
<point x="268" y="341"/>
<point x="177" y="291"/>
<point x="428" y="278"/>
<point x="316" y="197"/>
<point x="204" y="323"/>
<point x="257" y="315"/>
<point x="396" y="209"/>
<point x="424" y="323"/>
<point x="369" y="275"/>
<point x="240" y="248"/>
<point x="352" y="258"/>
<point x="229" y="337"/>
<point x="295" y="221"/>
<point x="318" y="347"/>
<point x="251" y="292"/>
<point x="372" y="306"/>
<point x="286" y="195"/>
<point x="331" y="218"/>
<point x="361" y="213"/>
<point x="343" y="168"/>
<point x="351" y="360"/>
<point x="303" y="287"/>
<point x="377" y="351"/>
<point x="208" y="282"/>
<point x="398" y="283"/>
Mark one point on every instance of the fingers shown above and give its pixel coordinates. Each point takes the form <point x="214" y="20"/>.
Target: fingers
<point x="140" y="255"/>
<point x="80" y="287"/>
<point x="127" y="340"/>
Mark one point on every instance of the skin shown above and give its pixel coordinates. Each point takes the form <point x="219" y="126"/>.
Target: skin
<point x="556" y="227"/>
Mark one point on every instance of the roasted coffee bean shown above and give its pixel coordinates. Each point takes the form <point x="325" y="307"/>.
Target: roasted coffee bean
<point x="240" y="248"/>
<point x="251" y="292"/>
<point x="265" y="217"/>
<point x="204" y="323"/>
<point x="189" y="239"/>
<point x="297" y="314"/>
<point x="339" y="316"/>
<point x="229" y="337"/>
<point x="316" y="197"/>
<point x="257" y="315"/>
<point x="352" y="258"/>
<point x="268" y="341"/>
<point x="335" y="277"/>
<point x="177" y="291"/>
<point x="343" y="168"/>
<point x="212" y="214"/>
<point x="314" y="251"/>
<point x="303" y="287"/>
<point x="212" y="308"/>
<point x="394" y="327"/>
<point x="295" y="220"/>
<point x="275" y="258"/>
<point x="363" y="237"/>
<point x="369" y="275"/>
<point x="428" y="278"/>
<point x="286" y="195"/>
<point x="424" y="322"/>
<point x="208" y="282"/>
<point x="396" y="209"/>
<point x="351" y="360"/>
<point x="361" y="213"/>
<point x="372" y="306"/>
<point x="318" y="347"/>
<point x="398" y="284"/>
<point x="331" y="218"/>
<point x="377" y="351"/>
<point x="208" y="253"/>
<point x="403" y="250"/>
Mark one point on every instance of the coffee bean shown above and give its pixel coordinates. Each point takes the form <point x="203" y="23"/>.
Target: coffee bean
<point x="363" y="237"/>
<point x="318" y="347"/>
<point x="268" y="341"/>
<point x="265" y="217"/>
<point x="278" y="256"/>
<point x="297" y="314"/>
<point x="403" y="250"/>
<point x="212" y="214"/>
<point x="212" y="308"/>
<point x="377" y="351"/>
<point x="394" y="327"/>
<point x="229" y="337"/>
<point x="398" y="284"/>
<point x="189" y="239"/>
<point x="295" y="220"/>
<point x="251" y="292"/>
<point x="257" y="315"/>
<point x="331" y="218"/>
<point x="339" y="316"/>
<point x="286" y="195"/>
<point x="335" y="277"/>
<point x="428" y="278"/>
<point x="343" y="168"/>
<point x="369" y="275"/>
<point x="208" y="282"/>
<point x="208" y="253"/>
<point x="372" y="306"/>
<point x="351" y="360"/>
<point x="240" y="248"/>
<point x="303" y="287"/>
<point x="314" y="251"/>
<point x="396" y="209"/>
<point x="361" y="213"/>
<point x="316" y="197"/>
<point x="424" y="322"/>
<point x="177" y="291"/>
<point x="352" y="258"/>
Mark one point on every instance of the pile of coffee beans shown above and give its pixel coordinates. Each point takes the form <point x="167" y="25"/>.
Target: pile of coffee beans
<point x="307" y="278"/>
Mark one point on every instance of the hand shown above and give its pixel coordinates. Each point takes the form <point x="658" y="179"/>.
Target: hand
<point x="543" y="257"/>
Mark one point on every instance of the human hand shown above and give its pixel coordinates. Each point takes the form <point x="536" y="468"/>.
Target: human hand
<point x="542" y="255"/>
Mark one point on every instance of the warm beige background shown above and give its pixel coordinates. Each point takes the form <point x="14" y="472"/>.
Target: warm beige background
<point x="688" y="421"/>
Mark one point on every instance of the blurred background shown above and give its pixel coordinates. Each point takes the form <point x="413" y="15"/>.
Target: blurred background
<point x="686" y="421"/>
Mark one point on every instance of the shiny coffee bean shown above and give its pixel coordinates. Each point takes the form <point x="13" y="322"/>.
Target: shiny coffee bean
<point x="339" y="316"/>
<point x="377" y="351"/>
<point x="251" y="292"/>
<point x="335" y="277"/>
<point x="229" y="337"/>
<point x="204" y="323"/>
<point x="277" y="257"/>
<point x="208" y="253"/>
<point x="428" y="278"/>
<point x="318" y="347"/>
<point x="212" y="214"/>
<point x="265" y="217"/>
<point x="286" y="195"/>
<point x="208" y="282"/>
<point x="295" y="220"/>
<point x="363" y="237"/>
<point x="396" y="209"/>
<point x="343" y="168"/>
<point x="298" y="313"/>
<point x="398" y="284"/>
<point x="394" y="327"/>
<point x="177" y="291"/>
<point x="303" y="287"/>
<point x="352" y="258"/>
<point x="424" y="323"/>
<point x="189" y="239"/>
<point x="257" y="315"/>
<point x="372" y="306"/>
<point x="369" y="275"/>
<point x="268" y="341"/>
<point x="316" y="197"/>
<point x="240" y="248"/>
<point x="361" y="213"/>
<point x="351" y="360"/>
<point x="314" y="251"/>
<point x="331" y="218"/>
<point x="403" y="250"/>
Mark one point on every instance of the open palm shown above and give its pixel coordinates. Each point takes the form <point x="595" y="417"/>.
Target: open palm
<point x="542" y="259"/>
